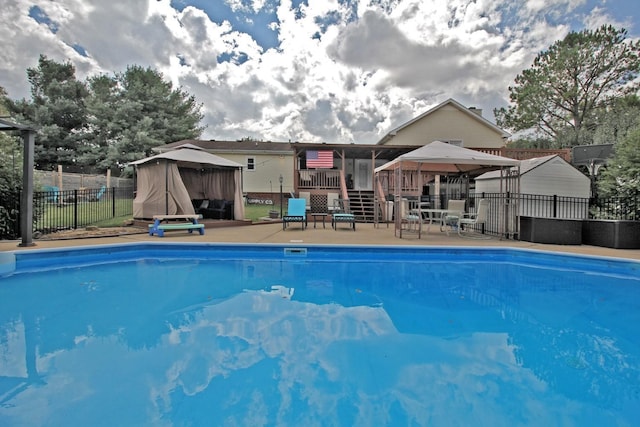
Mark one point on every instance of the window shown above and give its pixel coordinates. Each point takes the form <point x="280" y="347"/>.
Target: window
<point x="251" y="164"/>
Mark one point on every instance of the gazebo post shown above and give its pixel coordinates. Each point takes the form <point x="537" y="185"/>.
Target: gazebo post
<point x="26" y="198"/>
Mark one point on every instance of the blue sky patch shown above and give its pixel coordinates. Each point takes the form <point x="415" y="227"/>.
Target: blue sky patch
<point x="235" y="57"/>
<point x="78" y="48"/>
<point x="41" y="17"/>
<point x="257" y="25"/>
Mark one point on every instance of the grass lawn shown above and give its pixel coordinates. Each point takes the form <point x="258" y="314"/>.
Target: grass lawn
<point x="61" y="217"/>
<point x="255" y="212"/>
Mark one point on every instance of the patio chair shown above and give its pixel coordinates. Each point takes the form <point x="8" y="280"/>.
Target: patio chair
<point x="455" y="210"/>
<point x="307" y="198"/>
<point x="296" y="212"/>
<point x="342" y="214"/>
<point x="332" y="198"/>
<point x="410" y="217"/>
<point x="473" y="220"/>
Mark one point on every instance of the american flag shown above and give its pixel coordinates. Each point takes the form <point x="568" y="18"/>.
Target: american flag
<point x="322" y="159"/>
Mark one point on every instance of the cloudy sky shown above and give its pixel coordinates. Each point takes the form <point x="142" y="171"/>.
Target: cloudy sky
<point x="304" y="70"/>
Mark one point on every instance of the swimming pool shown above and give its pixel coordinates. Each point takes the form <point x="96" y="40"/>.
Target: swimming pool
<point x="180" y="334"/>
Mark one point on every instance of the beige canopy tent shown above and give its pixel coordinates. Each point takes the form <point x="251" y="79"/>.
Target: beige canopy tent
<point x="167" y="182"/>
<point x="440" y="158"/>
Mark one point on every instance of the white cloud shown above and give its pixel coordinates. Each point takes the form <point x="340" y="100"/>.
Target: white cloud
<point x="342" y="72"/>
<point x="541" y="5"/>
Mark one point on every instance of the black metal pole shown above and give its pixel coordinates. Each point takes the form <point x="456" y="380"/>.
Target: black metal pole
<point x="280" y="198"/>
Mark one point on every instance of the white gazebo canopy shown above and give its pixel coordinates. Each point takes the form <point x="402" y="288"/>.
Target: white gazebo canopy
<point x="442" y="158"/>
<point x="188" y="155"/>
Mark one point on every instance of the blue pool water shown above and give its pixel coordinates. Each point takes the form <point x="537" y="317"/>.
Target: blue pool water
<point x="193" y="335"/>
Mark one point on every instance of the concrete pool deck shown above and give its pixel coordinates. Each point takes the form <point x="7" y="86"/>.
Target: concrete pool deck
<point x="365" y="234"/>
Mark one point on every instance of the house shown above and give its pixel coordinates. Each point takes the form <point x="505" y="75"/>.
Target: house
<point x="350" y="171"/>
<point x="449" y="122"/>
<point x="545" y="176"/>
<point x="264" y="162"/>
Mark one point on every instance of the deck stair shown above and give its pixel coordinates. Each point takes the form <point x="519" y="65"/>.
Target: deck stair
<point x="362" y="206"/>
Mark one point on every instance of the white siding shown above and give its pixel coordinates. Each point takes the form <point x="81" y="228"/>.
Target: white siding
<point x="553" y="177"/>
<point x="268" y="168"/>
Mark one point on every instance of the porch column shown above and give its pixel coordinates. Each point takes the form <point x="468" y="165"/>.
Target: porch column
<point x="296" y="171"/>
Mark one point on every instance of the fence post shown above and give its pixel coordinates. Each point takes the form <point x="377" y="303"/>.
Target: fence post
<point x="555" y="206"/>
<point x="75" y="209"/>
<point x="113" y="202"/>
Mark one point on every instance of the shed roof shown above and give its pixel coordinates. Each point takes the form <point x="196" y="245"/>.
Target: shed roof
<point x="526" y="166"/>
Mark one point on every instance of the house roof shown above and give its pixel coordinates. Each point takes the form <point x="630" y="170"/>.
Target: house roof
<point x="267" y="147"/>
<point x="468" y="111"/>
<point x="230" y="146"/>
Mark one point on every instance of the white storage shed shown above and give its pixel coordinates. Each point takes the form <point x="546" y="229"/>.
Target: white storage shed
<point x="541" y="179"/>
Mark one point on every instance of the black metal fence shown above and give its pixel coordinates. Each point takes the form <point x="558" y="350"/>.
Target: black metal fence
<point x="72" y="209"/>
<point x="65" y="210"/>
<point x="503" y="208"/>
<point x="562" y="207"/>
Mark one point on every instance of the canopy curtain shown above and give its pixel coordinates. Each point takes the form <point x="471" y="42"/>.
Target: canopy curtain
<point x="209" y="183"/>
<point x="178" y="196"/>
<point x="215" y="183"/>
<point x="160" y="191"/>
<point x="238" y="204"/>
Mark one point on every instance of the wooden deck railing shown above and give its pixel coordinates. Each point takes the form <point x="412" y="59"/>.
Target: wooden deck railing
<point x="311" y="179"/>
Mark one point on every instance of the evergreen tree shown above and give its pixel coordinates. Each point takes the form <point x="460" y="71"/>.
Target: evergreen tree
<point x="561" y="95"/>
<point x="137" y="110"/>
<point x="621" y="177"/>
<point x="56" y="110"/>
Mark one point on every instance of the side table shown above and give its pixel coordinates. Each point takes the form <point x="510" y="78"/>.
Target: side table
<point x="319" y="215"/>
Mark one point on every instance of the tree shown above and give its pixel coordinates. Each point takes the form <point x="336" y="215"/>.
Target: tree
<point x="10" y="176"/>
<point x="106" y="121"/>
<point x="532" y="143"/>
<point x="135" y="111"/>
<point x="4" y="102"/>
<point x="561" y="94"/>
<point x="618" y="119"/>
<point x="56" y="110"/>
<point x="101" y="111"/>
<point x="621" y="177"/>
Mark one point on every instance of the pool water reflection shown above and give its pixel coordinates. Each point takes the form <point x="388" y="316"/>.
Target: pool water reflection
<point x="217" y="335"/>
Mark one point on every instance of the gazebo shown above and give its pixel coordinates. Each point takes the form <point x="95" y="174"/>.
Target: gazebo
<point x="440" y="158"/>
<point x="168" y="182"/>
